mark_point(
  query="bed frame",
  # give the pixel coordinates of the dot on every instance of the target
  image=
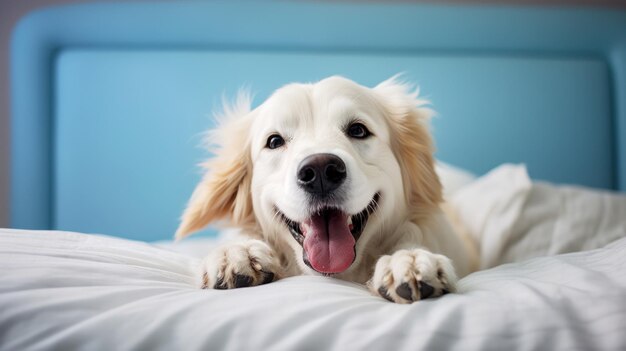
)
(109, 100)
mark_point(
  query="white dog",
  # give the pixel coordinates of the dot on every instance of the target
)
(330, 178)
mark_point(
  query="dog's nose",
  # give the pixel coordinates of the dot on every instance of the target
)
(321, 174)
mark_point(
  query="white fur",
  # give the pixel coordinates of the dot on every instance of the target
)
(395, 162)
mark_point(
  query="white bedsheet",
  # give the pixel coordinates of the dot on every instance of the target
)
(61, 290)
(514, 218)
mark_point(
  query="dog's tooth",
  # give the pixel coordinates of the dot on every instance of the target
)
(304, 227)
(349, 220)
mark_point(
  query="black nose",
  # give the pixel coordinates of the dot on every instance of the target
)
(321, 174)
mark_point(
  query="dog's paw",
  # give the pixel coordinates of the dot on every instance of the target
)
(411, 275)
(238, 265)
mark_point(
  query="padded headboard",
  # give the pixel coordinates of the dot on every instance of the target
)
(109, 101)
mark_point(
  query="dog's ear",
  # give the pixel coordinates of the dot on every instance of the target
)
(225, 191)
(412, 144)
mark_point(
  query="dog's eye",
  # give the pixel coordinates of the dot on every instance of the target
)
(358, 131)
(274, 141)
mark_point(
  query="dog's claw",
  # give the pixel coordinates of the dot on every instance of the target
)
(404, 291)
(268, 277)
(384, 294)
(426, 290)
(220, 285)
(242, 280)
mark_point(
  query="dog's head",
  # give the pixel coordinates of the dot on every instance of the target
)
(326, 168)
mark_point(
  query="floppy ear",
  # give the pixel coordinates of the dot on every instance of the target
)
(412, 145)
(224, 192)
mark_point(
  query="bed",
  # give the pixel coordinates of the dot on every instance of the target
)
(109, 102)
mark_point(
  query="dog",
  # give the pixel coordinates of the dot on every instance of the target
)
(329, 178)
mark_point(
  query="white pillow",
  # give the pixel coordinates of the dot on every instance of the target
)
(515, 219)
(452, 178)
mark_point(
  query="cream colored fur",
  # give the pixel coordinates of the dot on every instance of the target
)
(408, 249)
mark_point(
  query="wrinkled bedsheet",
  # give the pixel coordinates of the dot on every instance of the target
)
(61, 290)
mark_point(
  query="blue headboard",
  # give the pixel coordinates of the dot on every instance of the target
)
(109, 100)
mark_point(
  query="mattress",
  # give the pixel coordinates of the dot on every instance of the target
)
(65, 290)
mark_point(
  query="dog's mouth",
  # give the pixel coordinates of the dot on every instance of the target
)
(329, 236)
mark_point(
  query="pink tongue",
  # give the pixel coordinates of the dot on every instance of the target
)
(328, 243)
